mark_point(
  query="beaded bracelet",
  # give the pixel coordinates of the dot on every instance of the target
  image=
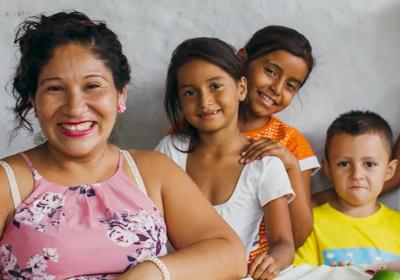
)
(161, 266)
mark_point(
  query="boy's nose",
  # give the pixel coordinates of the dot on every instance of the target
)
(357, 172)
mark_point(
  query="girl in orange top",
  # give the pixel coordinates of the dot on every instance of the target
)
(278, 61)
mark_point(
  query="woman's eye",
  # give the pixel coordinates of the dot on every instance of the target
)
(55, 89)
(92, 86)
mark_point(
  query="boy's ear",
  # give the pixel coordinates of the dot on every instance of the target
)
(242, 88)
(242, 54)
(325, 167)
(391, 169)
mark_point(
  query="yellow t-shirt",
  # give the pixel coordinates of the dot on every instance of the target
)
(338, 239)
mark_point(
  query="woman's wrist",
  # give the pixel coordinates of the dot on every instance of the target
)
(160, 265)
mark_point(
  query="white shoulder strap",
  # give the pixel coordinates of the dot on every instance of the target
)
(13, 183)
(135, 171)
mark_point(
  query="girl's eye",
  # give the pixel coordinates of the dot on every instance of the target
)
(188, 93)
(270, 72)
(370, 164)
(292, 87)
(343, 164)
(215, 86)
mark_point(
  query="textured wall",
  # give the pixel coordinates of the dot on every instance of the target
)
(356, 44)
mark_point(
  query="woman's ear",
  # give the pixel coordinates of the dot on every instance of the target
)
(242, 54)
(122, 95)
(242, 88)
(32, 101)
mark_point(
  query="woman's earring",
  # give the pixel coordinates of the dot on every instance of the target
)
(121, 108)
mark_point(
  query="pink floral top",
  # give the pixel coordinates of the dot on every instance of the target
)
(94, 231)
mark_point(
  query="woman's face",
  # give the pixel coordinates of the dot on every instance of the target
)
(273, 80)
(76, 101)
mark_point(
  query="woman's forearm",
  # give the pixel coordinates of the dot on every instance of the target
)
(208, 259)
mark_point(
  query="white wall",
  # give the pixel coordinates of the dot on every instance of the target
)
(356, 44)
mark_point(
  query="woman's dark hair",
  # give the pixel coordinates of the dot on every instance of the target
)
(39, 36)
(212, 50)
(274, 38)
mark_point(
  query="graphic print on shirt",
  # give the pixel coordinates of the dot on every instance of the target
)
(35, 266)
(138, 228)
(356, 256)
(45, 206)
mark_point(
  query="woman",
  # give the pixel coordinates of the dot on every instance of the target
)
(90, 210)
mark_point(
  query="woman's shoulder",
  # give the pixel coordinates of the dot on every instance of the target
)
(152, 161)
(18, 169)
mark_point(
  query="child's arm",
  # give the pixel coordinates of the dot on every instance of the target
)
(300, 208)
(281, 247)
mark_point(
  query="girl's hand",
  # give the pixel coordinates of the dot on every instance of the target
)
(263, 267)
(259, 148)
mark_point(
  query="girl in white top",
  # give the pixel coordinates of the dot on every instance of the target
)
(205, 87)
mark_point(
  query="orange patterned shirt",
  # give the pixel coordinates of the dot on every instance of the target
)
(295, 142)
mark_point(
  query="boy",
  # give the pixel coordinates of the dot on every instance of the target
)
(355, 229)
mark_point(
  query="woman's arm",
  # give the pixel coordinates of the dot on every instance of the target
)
(6, 203)
(24, 180)
(281, 247)
(207, 248)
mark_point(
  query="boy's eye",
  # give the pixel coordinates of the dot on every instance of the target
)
(343, 163)
(215, 86)
(370, 164)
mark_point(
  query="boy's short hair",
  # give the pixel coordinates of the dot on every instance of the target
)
(356, 123)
